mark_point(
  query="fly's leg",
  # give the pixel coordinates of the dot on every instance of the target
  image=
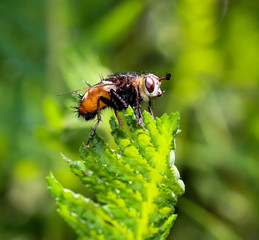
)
(117, 116)
(98, 121)
(140, 117)
(112, 105)
(117, 96)
(150, 108)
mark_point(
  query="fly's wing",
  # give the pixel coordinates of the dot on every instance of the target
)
(118, 79)
(98, 85)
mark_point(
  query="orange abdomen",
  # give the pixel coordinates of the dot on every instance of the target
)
(88, 105)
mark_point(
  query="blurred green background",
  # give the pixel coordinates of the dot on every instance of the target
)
(211, 47)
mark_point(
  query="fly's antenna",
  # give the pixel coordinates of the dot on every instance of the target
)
(166, 77)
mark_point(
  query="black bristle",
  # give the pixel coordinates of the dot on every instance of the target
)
(87, 83)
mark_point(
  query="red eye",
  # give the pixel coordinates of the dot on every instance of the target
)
(149, 85)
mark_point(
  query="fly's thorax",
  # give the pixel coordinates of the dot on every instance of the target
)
(149, 86)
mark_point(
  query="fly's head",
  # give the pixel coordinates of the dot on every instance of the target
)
(150, 85)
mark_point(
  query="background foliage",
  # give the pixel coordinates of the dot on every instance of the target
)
(211, 48)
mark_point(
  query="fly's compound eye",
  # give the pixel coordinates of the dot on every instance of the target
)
(150, 86)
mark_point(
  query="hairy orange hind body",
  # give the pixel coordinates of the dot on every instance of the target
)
(89, 100)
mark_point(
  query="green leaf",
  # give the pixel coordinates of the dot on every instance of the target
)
(136, 186)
